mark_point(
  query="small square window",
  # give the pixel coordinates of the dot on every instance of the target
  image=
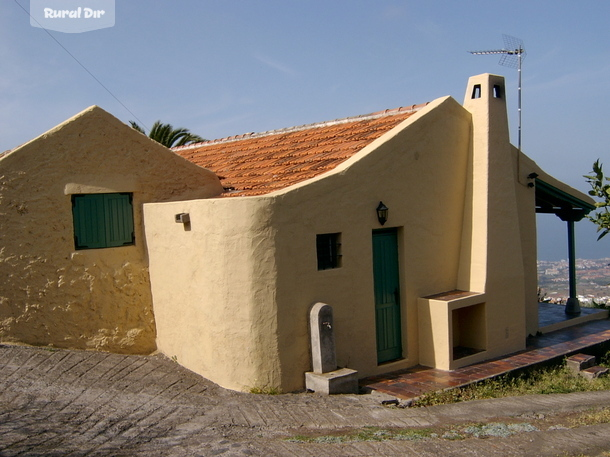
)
(102, 220)
(328, 247)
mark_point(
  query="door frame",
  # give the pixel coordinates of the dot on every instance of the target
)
(388, 315)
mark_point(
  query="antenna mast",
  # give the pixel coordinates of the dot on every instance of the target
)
(512, 56)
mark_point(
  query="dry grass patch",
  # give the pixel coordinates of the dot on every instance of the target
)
(601, 416)
(549, 380)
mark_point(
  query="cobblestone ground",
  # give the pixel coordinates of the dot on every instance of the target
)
(77, 403)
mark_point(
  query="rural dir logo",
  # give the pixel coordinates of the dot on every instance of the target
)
(72, 16)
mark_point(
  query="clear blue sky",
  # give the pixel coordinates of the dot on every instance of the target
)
(228, 67)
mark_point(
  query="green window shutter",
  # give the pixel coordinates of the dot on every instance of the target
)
(119, 219)
(88, 214)
(102, 220)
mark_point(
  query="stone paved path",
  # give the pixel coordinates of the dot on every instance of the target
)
(76, 403)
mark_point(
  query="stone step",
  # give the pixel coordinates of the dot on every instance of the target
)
(594, 372)
(578, 362)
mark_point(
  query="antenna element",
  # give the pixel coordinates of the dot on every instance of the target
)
(512, 54)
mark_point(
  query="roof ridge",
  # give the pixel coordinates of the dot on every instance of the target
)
(362, 117)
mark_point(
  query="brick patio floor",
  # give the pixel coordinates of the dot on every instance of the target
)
(416, 381)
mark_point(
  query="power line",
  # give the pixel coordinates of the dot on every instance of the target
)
(83, 66)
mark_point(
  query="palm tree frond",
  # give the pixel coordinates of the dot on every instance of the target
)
(169, 136)
(135, 126)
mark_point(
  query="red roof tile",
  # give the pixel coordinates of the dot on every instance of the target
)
(259, 163)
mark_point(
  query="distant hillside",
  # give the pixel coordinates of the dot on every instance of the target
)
(592, 276)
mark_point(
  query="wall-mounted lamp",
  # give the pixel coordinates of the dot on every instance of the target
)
(182, 218)
(382, 213)
(531, 176)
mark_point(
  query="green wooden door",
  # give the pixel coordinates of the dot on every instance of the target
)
(387, 295)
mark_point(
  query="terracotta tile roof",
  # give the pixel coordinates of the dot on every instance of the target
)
(259, 163)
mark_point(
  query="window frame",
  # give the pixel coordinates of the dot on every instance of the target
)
(328, 251)
(103, 220)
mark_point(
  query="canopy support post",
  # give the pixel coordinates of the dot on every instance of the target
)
(573, 305)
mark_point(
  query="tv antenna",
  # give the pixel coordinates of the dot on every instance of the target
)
(513, 54)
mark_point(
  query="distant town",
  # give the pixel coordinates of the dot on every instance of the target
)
(592, 281)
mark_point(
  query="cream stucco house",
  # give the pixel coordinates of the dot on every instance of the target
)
(227, 244)
(53, 288)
